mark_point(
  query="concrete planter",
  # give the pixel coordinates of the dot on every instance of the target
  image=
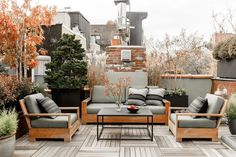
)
(7, 145)
(226, 69)
(232, 126)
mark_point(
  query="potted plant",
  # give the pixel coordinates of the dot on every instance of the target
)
(66, 74)
(231, 114)
(177, 97)
(11, 90)
(8, 126)
(225, 53)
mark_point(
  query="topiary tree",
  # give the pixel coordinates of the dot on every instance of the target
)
(67, 69)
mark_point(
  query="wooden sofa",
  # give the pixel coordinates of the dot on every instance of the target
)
(98, 100)
(182, 125)
(40, 126)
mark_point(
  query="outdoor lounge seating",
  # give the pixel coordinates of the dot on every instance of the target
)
(91, 106)
(183, 125)
(40, 125)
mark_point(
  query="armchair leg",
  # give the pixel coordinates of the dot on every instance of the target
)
(32, 139)
(214, 139)
(67, 139)
(179, 139)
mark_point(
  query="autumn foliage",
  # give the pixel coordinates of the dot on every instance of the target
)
(21, 33)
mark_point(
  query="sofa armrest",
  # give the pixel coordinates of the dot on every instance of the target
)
(199, 114)
(84, 105)
(51, 114)
(167, 106)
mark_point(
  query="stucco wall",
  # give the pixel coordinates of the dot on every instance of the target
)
(194, 86)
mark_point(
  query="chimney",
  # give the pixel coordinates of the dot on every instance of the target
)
(122, 9)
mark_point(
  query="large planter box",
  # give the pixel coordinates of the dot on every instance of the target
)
(68, 97)
(177, 101)
(226, 69)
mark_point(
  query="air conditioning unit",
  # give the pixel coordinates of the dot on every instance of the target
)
(125, 55)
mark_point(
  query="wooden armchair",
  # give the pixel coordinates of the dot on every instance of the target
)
(182, 125)
(63, 126)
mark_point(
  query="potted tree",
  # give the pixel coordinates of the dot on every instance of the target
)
(231, 114)
(66, 74)
(8, 126)
(225, 53)
(177, 97)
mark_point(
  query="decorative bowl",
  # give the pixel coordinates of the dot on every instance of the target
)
(133, 109)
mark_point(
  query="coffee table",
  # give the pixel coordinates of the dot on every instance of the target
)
(110, 112)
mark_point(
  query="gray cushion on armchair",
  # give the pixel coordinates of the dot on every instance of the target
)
(215, 104)
(190, 122)
(32, 104)
(58, 122)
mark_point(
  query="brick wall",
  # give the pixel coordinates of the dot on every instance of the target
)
(229, 84)
(138, 59)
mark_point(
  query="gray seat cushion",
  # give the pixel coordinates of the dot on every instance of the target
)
(32, 104)
(157, 109)
(58, 122)
(94, 108)
(189, 122)
(215, 104)
(99, 96)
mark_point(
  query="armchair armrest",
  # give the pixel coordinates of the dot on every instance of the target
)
(84, 105)
(71, 108)
(51, 114)
(199, 114)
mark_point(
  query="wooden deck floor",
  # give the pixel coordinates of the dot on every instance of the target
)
(85, 144)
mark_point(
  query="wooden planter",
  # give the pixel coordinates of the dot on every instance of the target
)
(226, 69)
(177, 101)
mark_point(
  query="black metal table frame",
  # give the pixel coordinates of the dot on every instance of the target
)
(149, 124)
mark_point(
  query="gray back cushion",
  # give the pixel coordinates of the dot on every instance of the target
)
(49, 105)
(32, 104)
(98, 95)
(215, 104)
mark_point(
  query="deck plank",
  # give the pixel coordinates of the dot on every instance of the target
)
(84, 144)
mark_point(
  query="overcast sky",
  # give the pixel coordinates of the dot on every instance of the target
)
(164, 16)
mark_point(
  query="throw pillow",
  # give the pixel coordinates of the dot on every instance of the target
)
(155, 97)
(198, 105)
(137, 96)
(49, 106)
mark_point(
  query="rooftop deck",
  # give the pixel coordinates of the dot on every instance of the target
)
(85, 144)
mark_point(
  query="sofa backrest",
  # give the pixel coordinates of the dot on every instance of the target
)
(215, 103)
(99, 95)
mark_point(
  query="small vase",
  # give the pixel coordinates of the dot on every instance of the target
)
(118, 107)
